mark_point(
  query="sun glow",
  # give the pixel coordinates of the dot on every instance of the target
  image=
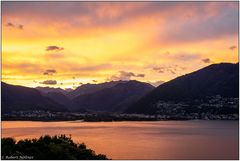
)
(90, 42)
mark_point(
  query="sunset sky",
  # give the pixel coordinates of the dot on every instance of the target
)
(65, 44)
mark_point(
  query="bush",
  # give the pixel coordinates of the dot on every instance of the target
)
(48, 148)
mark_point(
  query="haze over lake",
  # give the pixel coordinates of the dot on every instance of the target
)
(141, 140)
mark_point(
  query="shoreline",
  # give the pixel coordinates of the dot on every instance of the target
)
(82, 121)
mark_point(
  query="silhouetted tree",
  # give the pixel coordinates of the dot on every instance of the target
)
(49, 147)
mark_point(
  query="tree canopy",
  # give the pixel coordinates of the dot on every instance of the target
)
(48, 147)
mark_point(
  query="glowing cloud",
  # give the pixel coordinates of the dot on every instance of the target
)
(54, 48)
(49, 82)
(147, 41)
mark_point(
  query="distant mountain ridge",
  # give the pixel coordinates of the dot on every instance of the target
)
(46, 90)
(59, 98)
(216, 79)
(98, 96)
(17, 98)
(129, 96)
(112, 99)
(91, 88)
(81, 90)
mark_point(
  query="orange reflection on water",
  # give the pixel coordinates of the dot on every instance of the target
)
(141, 140)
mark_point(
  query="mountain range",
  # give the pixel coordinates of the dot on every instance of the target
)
(126, 96)
(217, 79)
(113, 99)
(19, 98)
(114, 96)
(92, 88)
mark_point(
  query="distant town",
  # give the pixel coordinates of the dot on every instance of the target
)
(214, 108)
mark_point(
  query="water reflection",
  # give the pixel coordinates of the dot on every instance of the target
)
(141, 140)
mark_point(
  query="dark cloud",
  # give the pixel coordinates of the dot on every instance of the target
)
(54, 48)
(233, 47)
(174, 69)
(20, 27)
(49, 72)
(94, 81)
(49, 82)
(159, 69)
(140, 75)
(199, 21)
(222, 24)
(126, 74)
(180, 67)
(123, 75)
(207, 60)
(97, 14)
(9, 24)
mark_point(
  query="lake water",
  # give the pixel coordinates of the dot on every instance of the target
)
(141, 140)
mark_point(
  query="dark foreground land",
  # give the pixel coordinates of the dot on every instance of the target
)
(47, 148)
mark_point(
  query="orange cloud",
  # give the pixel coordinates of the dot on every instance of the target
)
(95, 40)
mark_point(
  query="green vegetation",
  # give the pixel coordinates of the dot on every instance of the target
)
(47, 147)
